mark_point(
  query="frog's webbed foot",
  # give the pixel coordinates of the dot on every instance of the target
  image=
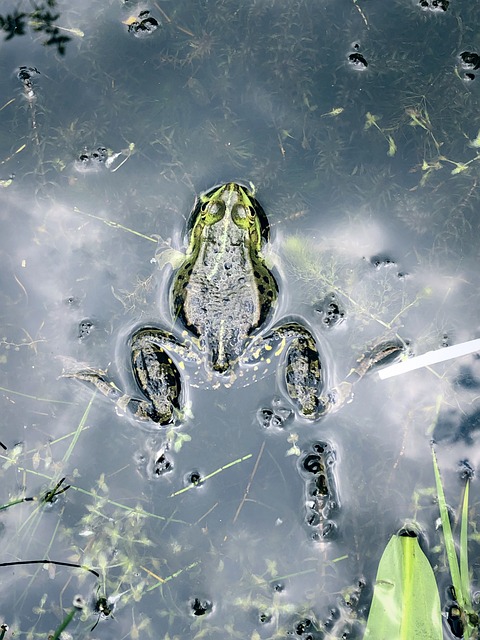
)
(96, 378)
(156, 375)
(380, 354)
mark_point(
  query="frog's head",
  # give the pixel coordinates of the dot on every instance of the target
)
(230, 204)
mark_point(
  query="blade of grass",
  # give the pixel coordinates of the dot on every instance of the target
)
(448, 537)
(464, 572)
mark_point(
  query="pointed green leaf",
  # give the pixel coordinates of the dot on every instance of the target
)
(406, 604)
(464, 573)
(464, 577)
(448, 536)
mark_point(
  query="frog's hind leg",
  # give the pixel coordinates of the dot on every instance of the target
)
(303, 374)
(159, 380)
(303, 377)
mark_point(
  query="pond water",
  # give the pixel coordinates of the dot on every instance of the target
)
(357, 123)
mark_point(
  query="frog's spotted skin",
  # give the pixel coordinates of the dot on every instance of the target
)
(223, 293)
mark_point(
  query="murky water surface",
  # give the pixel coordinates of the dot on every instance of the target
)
(357, 123)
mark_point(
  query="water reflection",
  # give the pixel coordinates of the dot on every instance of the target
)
(201, 530)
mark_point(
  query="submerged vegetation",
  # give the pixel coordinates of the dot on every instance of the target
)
(39, 18)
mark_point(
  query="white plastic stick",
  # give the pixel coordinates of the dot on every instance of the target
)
(431, 357)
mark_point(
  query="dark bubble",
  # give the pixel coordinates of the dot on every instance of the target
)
(465, 469)
(144, 25)
(470, 60)
(162, 465)
(357, 60)
(313, 518)
(434, 5)
(320, 447)
(381, 261)
(25, 73)
(264, 617)
(85, 328)
(194, 478)
(72, 301)
(103, 606)
(200, 607)
(268, 418)
(331, 311)
(313, 464)
(303, 626)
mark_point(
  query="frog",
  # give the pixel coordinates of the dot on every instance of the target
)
(223, 296)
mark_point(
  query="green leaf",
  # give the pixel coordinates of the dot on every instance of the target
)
(448, 537)
(464, 573)
(406, 604)
(464, 577)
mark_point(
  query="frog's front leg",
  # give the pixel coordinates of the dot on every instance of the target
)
(303, 370)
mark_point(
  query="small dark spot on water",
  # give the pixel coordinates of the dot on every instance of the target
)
(469, 77)
(85, 328)
(331, 311)
(434, 5)
(470, 60)
(357, 61)
(72, 302)
(278, 587)
(333, 616)
(303, 626)
(465, 470)
(144, 25)
(313, 518)
(275, 417)
(381, 261)
(264, 617)
(194, 478)
(162, 465)
(200, 607)
(25, 73)
(92, 159)
(313, 463)
(103, 606)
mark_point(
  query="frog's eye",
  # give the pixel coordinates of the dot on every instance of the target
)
(213, 211)
(243, 216)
